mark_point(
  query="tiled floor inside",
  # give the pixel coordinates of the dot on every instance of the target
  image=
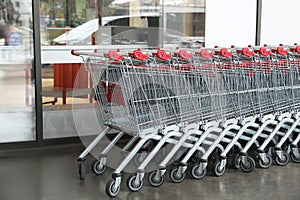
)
(53, 175)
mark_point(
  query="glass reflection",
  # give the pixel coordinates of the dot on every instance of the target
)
(17, 117)
(68, 24)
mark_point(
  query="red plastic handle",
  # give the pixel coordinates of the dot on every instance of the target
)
(161, 54)
(183, 54)
(204, 54)
(296, 49)
(137, 54)
(224, 53)
(73, 53)
(281, 51)
(113, 55)
(263, 51)
(246, 52)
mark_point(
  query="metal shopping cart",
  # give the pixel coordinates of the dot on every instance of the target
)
(140, 101)
(294, 63)
(205, 103)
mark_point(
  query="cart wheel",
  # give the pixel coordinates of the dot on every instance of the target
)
(110, 188)
(139, 159)
(271, 152)
(175, 176)
(265, 165)
(235, 161)
(248, 166)
(131, 183)
(154, 181)
(215, 154)
(284, 161)
(82, 169)
(97, 168)
(218, 171)
(195, 157)
(196, 173)
(285, 147)
(294, 158)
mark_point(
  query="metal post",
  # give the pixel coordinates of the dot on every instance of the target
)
(37, 75)
(99, 10)
(67, 8)
(258, 22)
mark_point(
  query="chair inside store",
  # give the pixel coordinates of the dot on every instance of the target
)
(70, 80)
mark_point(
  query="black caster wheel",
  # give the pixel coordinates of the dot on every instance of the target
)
(196, 173)
(155, 181)
(175, 176)
(133, 185)
(215, 154)
(248, 166)
(195, 157)
(218, 171)
(282, 161)
(271, 152)
(235, 163)
(111, 190)
(82, 169)
(294, 158)
(266, 164)
(97, 168)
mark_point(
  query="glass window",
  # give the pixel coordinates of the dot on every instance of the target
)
(81, 24)
(76, 23)
(64, 23)
(17, 115)
(60, 16)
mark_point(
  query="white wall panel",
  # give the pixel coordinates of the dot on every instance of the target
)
(280, 22)
(230, 22)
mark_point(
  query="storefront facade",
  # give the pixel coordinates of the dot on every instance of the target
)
(46, 94)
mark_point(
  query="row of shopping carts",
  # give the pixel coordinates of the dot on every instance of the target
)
(202, 105)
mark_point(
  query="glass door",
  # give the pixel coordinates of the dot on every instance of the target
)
(17, 112)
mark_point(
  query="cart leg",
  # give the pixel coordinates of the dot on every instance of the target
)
(99, 165)
(113, 186)
(93, 143)
(82, 157)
